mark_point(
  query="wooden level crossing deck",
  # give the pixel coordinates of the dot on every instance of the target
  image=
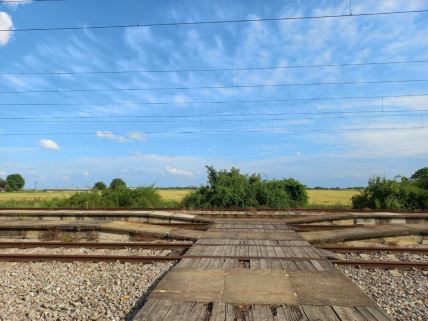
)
(256, 271)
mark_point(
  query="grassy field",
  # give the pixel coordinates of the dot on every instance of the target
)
(15, 196)
(328, 197)
(321, 197)
(173, 194)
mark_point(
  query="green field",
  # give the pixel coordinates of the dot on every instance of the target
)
(321, 197)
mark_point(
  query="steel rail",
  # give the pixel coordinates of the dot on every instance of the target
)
(405, 265)
(248, 210)
(368, 249)
(151, 259)
(104, 245)
(85, 258)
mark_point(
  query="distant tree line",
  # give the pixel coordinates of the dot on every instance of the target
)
(225, 189)
(397, 193)
(231, 189)
(12, 183)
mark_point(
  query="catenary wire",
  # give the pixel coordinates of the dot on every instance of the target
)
(237, 86)
(371, 63)
(216, 22)
(214, 101)
(271, 130)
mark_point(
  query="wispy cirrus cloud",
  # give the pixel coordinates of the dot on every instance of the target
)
(131, 136)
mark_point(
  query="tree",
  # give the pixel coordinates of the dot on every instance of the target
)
(420, 178)
(99, 186)
(117, 183)
(3, 184)
(14, 182)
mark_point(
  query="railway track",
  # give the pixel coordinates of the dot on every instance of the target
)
(151, 259)
(369, 249)
(172, 245)
(93, 245)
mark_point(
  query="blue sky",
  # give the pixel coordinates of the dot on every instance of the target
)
(339, 142)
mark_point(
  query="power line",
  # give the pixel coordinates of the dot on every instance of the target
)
(373, 63)
(215, 22)
(237, 86)
(91, 121)
(335, 114)
(272, 130)
(255, 101)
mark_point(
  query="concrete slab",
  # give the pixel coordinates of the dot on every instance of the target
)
(258, 287)
(328, 288)
(195, 286)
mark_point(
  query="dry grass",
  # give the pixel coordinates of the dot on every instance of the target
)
(328, 197)
(322, 197)
(28, 196)
(173, 194)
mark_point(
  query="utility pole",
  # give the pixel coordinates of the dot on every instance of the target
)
(35, 186)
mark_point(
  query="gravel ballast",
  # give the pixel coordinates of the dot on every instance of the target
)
(403, 294)
(78, 290)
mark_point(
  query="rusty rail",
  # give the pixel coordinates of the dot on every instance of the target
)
(402, 265)
(104, 245)
(368, 249)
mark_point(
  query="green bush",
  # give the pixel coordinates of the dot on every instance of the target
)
(231, 189)
(141, 197)
(403, 193)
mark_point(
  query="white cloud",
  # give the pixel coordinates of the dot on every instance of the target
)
(178, 172)
(48, 144)
(5, 24)
(136, 136)
(132, 136)
(3, 173)
(86, 173)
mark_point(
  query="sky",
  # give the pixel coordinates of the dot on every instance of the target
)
(212, 101)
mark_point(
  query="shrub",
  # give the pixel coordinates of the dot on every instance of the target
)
(142, 197)
(382, 193)
(231, 189)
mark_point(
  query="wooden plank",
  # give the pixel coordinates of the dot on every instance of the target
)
(198, 312)
(173, 311)
(366, 313)
(218, 312)
(144, 312)
(320, 313)
(379, 314)
(230, 315)
(290, 313)
(184, 311)
(317, 265)
(262, 313)
(348, 314)
(160, 311)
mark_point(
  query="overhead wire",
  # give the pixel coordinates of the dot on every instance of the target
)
(255, 101)
(265, 130)
(236, 86)
(216, 22)
(372, 63)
